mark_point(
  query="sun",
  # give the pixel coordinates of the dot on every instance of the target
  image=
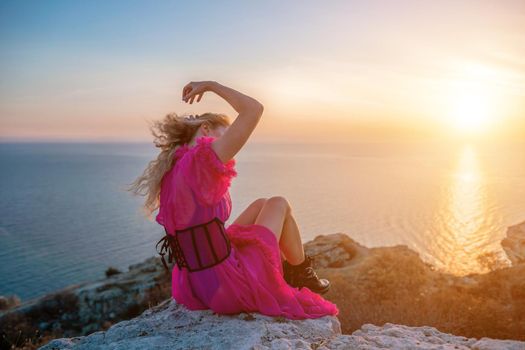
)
(472, 112)
(474, 100)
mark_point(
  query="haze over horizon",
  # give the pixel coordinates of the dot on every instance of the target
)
(337, 71)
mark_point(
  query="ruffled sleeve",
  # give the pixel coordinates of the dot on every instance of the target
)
(205, 173)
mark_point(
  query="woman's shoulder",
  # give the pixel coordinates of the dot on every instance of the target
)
(203, 154)
(206, 174)
(200, 146)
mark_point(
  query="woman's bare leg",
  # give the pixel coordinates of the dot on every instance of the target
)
(249, 214)
(276, 214)
(291, 243)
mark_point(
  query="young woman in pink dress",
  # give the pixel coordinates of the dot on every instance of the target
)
(255, 264)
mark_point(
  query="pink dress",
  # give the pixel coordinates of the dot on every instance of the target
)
(251, 279)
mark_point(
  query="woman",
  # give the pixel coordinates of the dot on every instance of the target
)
(255, 264)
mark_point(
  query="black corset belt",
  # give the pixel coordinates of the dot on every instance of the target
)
(197, 247)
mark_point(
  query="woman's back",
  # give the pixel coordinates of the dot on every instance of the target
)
(196, 189)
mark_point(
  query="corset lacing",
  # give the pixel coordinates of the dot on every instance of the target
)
(212, 235)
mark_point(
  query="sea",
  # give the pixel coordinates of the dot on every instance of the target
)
(65, 216)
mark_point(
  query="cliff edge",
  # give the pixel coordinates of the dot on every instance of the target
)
(172, 326)
(386, 295)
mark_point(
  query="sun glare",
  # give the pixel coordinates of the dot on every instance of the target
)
(472, 112)
(473, 100)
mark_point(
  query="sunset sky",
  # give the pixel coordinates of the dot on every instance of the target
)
(325, 71)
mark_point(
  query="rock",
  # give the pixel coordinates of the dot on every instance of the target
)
(8, 302)
(392, 336)
(172, 326)
(84, 308)
(335, 250)
(514, 243)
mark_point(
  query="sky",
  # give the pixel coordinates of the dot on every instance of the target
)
(325, 71)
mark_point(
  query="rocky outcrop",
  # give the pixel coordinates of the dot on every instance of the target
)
(9, 302)
(393, 284)
(369, 285)
(172, 326)
(87, 307)
(514, 244)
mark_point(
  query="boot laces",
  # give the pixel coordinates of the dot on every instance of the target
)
(310, 273)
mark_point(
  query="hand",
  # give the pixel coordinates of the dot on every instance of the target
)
(195, 89)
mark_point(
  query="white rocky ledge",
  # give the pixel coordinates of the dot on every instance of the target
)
(172, 326)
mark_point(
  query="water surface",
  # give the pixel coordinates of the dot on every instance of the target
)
(65, 217)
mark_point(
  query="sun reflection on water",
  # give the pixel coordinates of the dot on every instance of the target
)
(465, 221)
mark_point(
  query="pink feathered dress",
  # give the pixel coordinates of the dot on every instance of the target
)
(251, 279)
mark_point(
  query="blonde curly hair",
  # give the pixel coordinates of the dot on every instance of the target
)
(170, 133)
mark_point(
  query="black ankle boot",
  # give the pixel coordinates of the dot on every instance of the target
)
(303, 275)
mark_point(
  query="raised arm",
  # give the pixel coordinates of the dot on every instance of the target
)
(250, 111)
